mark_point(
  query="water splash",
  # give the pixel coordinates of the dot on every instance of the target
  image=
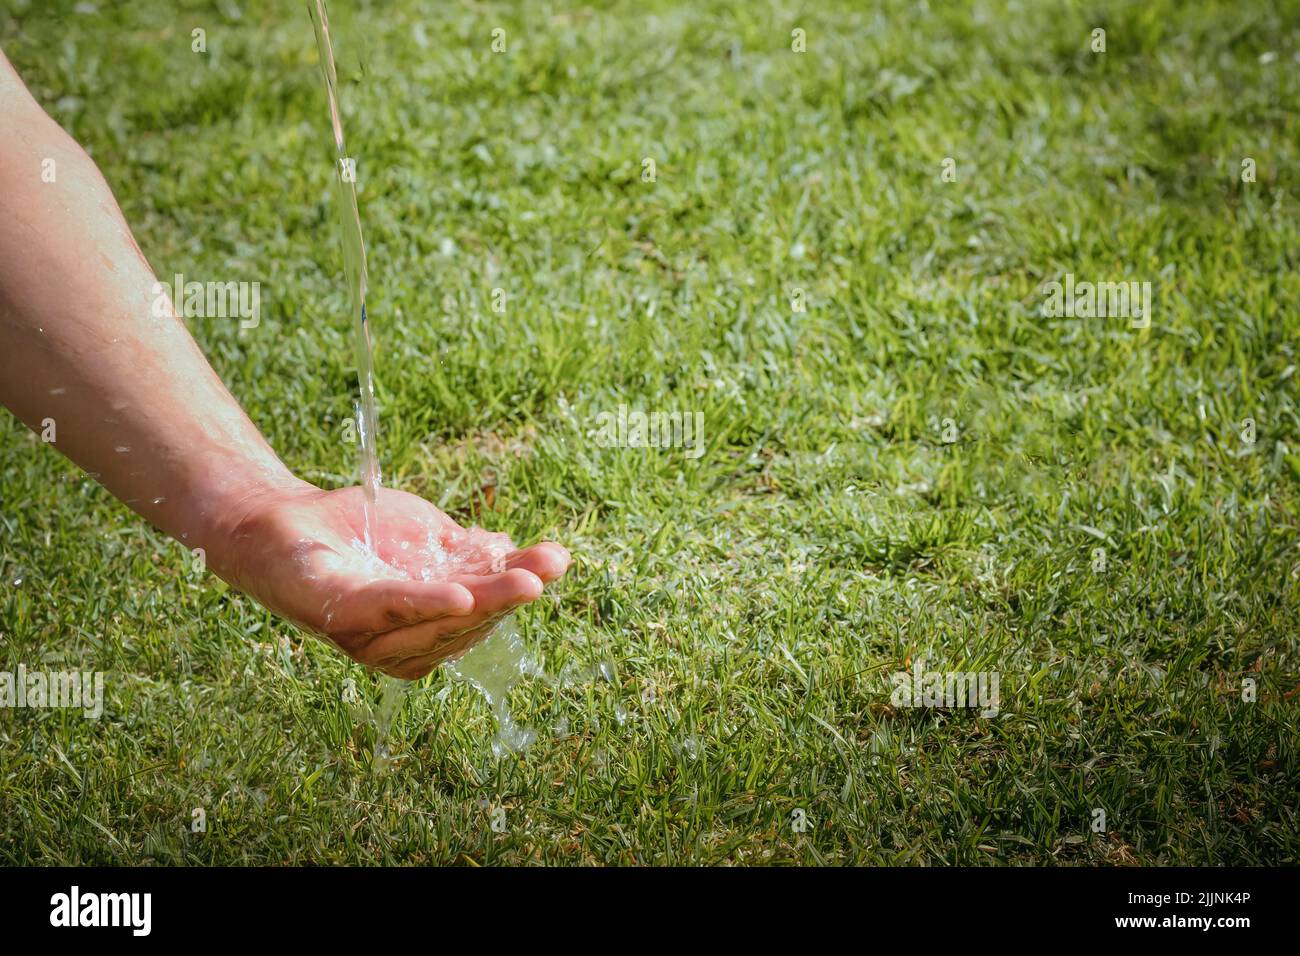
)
(494, 666)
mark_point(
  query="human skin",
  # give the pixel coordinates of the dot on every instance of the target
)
(134, 402)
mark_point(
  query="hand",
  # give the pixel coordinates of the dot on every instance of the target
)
(427, 593)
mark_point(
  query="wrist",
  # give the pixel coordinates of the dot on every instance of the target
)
(223, 504)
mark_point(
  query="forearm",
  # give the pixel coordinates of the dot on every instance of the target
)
(130, 396)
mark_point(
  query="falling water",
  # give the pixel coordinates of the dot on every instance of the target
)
(496, 663)
(494, 666)
(354, 268)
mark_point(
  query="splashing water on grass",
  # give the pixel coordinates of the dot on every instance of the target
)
(495, 664)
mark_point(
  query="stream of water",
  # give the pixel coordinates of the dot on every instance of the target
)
(495, 664)
(354, 268)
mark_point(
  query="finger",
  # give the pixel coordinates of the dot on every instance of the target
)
(445, 638)
(497, 593)
(386, 604)
(454, 647)
(547, 560)
(410, 670)
(392, 650)
(494, 595)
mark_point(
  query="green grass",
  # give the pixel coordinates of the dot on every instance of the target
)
(750, 604)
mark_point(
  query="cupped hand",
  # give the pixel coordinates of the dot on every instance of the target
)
(426, 593)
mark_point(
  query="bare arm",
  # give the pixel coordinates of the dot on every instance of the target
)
(133, 401)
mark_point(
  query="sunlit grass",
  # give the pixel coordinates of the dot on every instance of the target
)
(749, 606)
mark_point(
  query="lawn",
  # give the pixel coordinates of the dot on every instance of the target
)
(838, 259)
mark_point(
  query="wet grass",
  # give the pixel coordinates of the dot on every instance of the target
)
(1097, 530)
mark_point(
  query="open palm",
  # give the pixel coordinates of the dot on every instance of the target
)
(426, 592)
